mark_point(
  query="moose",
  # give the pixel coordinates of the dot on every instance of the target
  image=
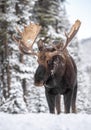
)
(56, 71)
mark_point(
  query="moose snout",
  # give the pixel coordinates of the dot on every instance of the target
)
(38, 84)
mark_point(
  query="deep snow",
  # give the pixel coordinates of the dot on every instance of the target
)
(45, 122)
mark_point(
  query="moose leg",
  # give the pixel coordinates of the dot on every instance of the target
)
(67, 100)
(58, 103)
(51, 101)
(74, 99)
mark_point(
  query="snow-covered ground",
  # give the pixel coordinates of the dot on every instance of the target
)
(45, 122)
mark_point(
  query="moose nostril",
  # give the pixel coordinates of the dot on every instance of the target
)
(39, 84)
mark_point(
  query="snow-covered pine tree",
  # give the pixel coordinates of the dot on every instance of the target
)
(14, 70)
(3, 52)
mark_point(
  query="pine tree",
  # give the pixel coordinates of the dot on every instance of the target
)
(13, 86)
(4, 69)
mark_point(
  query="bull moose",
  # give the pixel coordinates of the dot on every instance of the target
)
(57, 70)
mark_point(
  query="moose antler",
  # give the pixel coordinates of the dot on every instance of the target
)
(28, 36)
(72, 32)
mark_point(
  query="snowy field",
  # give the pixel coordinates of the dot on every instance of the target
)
(45, 122)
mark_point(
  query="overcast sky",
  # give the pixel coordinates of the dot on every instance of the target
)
(80, 9)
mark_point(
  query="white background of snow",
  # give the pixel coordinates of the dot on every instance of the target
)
(45, 122)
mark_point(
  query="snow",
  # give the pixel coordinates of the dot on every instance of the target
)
(84, 77)
(45, 121)
(85, 50)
